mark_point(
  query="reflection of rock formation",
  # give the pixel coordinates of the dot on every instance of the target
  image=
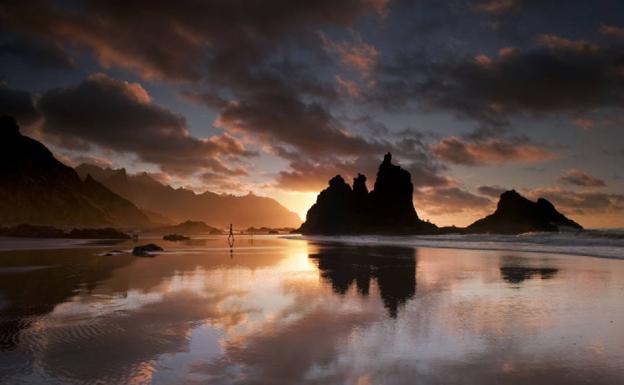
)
(518, 274)
(515, 214)
(388, 208)
(394, 269)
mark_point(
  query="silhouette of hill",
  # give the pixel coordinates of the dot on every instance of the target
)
(191, 227)
(182, 204)
(516, 214)
(387, 209)
(38, 189)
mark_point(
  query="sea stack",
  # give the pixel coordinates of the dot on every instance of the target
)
(516, 214)
(387, 209)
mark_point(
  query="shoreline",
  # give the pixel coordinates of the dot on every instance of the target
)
(512, 243)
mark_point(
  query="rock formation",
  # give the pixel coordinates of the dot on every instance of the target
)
(515, 214)
(387, 209)
(36, 188)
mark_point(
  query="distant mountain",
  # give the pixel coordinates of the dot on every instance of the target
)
(190, 228)
(182, 204)
(516, 214)
(36, 188)
(387, 209)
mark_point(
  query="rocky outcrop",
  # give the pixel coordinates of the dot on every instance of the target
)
(36, 188)
(387, 209)
(516, 214)
(146, 250)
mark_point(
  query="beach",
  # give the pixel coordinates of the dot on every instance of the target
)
(294, 310)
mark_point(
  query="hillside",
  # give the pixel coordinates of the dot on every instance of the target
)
(38, 189)
(181, 204)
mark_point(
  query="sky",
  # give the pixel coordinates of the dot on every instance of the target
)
(277, 96)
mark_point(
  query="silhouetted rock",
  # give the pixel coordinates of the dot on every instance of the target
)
(515, 214)
(387, 209)
(38, 189)
(145, 250)
(175, 237)
(32, 231)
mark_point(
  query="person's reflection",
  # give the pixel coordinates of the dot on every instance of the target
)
(394, 269)
(516, 270)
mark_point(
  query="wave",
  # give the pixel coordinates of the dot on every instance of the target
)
(592, 243)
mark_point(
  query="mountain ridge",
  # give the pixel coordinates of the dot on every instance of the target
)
(38, 189)
(180, 204)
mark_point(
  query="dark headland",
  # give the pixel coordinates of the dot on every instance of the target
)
(342, 209)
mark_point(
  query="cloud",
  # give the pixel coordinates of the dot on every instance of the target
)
(120, 116)
(579, 178)
(349, 86)
(356, 55)
(555, 42)
(19, 104)
(612, 31)
(558, 76)
(175, 43)
(450, 200)
(457, 150)
(585, 202)
(491, 191)
(498, 6)
(38, 54)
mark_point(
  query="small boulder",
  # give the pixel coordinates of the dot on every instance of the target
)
(145, 250)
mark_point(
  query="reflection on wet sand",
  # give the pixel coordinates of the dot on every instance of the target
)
(516, 270)
(296, 312)
(393, 268)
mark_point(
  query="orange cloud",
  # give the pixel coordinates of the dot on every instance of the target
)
(356, 55)
(492, 151)
(349, 86)
(557, 42)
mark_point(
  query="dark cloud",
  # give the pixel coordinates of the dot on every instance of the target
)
(491, 191)
(120, 116)
(450, 200)
(37, 54)
(19, 104)
(584, 202)
(171, 42)
(458, 150)
(580, 178)
(498, 6)
(278, 116)
(243, 54)
(558, 75)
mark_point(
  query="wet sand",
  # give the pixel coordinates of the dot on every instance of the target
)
(293, 311)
